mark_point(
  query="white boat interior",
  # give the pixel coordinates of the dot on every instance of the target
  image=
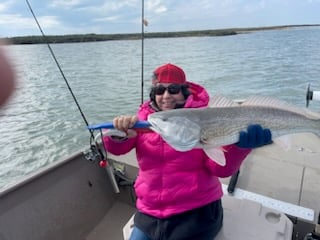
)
(75, 199)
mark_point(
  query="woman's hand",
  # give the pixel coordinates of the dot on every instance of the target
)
(124, 123)
(254, 137)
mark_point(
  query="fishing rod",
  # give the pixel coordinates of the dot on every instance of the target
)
(143, 22)
(95, 153)
(95, 127)
(60, 69)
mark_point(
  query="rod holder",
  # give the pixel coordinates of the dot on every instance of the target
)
(312, 95)
(112, 179)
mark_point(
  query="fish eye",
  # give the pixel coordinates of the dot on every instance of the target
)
(203, 140)
(164, 119)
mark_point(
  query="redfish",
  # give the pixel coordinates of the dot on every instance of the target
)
(218, 125)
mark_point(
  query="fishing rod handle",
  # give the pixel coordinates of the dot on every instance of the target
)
(109, 125)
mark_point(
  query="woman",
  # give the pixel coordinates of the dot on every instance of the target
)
(178, 193)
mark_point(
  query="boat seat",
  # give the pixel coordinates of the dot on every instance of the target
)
(245, 220)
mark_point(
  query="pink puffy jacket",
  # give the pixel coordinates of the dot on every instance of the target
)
(171, 182)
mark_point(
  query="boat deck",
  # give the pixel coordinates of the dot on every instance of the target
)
(110, 227)
(290, 175)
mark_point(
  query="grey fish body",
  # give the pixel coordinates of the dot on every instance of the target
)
(229, 121)
(220, 124)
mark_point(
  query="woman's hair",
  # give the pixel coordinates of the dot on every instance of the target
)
(184, 89)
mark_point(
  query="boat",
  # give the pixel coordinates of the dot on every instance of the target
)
(276, 196)
(89, 196)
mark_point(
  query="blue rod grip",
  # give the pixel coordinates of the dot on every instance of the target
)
(109, 125)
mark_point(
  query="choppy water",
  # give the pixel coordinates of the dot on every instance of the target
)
(42, 123)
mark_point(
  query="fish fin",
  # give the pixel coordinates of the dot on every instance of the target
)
(284, 142)
(216, 155)
(221, 101)
(266, 101)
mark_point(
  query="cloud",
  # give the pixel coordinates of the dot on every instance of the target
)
(107, 19)
(156, 6)
(161, 9)
(66, 3)
(4, 6)
(110, 6)
(123, 16)
(49, 21)
(254, 7)
(17, 24)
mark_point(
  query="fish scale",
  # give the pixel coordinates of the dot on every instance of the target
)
(232, 120)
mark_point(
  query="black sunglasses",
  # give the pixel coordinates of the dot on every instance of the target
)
(172, 89)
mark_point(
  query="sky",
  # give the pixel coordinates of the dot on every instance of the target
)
(59, 17)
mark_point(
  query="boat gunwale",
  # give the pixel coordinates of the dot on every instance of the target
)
(39, 173)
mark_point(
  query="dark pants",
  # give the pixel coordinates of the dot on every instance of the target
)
(202, 224)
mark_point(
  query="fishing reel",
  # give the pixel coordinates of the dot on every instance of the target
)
(94, 154)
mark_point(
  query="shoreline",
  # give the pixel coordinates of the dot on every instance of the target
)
(92, 37)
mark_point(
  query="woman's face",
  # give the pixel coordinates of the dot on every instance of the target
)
(168, 95)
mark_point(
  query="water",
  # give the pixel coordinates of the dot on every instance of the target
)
(42, 123)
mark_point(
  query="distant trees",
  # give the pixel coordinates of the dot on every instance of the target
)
(133, 36)
(109, 37)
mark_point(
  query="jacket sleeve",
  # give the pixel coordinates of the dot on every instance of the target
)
(234, 158)
(119, 147)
